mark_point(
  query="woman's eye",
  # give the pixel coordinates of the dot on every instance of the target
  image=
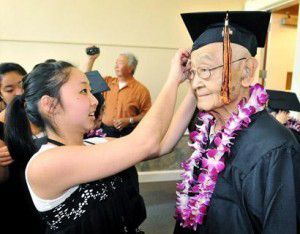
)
(84, 91)
(9, 91)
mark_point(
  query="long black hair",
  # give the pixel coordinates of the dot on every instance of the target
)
(11, 67)
(45, 79)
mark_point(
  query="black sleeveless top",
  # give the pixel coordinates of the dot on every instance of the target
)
(100, 206)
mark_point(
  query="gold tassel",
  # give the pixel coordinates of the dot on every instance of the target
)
(227, 53)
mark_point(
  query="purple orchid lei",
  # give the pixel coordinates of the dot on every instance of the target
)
(293, 123)
(194, 194)
(96, 132)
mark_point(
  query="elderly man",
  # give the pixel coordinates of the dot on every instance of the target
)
(243, 176)
(127, 101)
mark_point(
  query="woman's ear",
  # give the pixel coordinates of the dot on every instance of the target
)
(249, 71)
(48, 105)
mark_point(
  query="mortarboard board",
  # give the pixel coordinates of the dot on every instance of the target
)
(280, 100)
(247, 28)
(97, 83)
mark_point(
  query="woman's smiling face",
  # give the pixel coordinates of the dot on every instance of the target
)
(78, 103)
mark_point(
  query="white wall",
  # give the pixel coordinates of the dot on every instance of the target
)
(296, 70)
(281, 50)
(33, 31)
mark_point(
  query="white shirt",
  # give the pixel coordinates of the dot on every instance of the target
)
(122, 85)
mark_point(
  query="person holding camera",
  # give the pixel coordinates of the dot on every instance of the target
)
(127, 101)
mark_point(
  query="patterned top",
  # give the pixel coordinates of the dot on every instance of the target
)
(101, 206)
(82, 202)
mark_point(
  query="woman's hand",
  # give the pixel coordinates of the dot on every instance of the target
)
(180, 65)
(5, 158)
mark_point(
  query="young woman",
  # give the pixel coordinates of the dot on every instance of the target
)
(14, 194)
(74, 185)
(11, 75)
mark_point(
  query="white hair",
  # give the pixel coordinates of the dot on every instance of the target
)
(132, 61)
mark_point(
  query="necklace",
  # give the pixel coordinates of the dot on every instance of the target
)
(194, 193)
(293, 123)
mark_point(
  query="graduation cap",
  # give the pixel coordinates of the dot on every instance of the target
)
(280, 100)
(97, 82)
(247, 28)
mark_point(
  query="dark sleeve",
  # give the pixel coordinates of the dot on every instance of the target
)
(1, 131)
(194, 121)
(296, 134)
(273, 191)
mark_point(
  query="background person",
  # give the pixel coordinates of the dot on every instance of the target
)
(280, 104)
(15, 202)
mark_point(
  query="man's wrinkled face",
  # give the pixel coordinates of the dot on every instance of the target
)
(208, 89)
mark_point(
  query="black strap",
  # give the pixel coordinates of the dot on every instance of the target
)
(91, 143)
(61, 144)
(55, 142)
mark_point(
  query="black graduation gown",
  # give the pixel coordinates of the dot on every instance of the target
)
(258, 192)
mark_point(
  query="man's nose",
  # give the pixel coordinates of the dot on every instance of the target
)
(196, 82)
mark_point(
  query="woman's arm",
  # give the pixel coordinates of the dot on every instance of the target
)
(179, 123)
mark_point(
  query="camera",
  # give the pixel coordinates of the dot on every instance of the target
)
(92, 50)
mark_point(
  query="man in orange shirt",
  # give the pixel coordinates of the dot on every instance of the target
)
(126, 103)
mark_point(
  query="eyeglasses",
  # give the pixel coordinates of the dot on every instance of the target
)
(205, 73)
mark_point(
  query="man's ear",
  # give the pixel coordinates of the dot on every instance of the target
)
(249, 71)
(48, 105)
(130, 69)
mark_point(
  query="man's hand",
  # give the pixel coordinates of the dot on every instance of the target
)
(90, 61)
(93, 57)
(121, 123)
(5, 158)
